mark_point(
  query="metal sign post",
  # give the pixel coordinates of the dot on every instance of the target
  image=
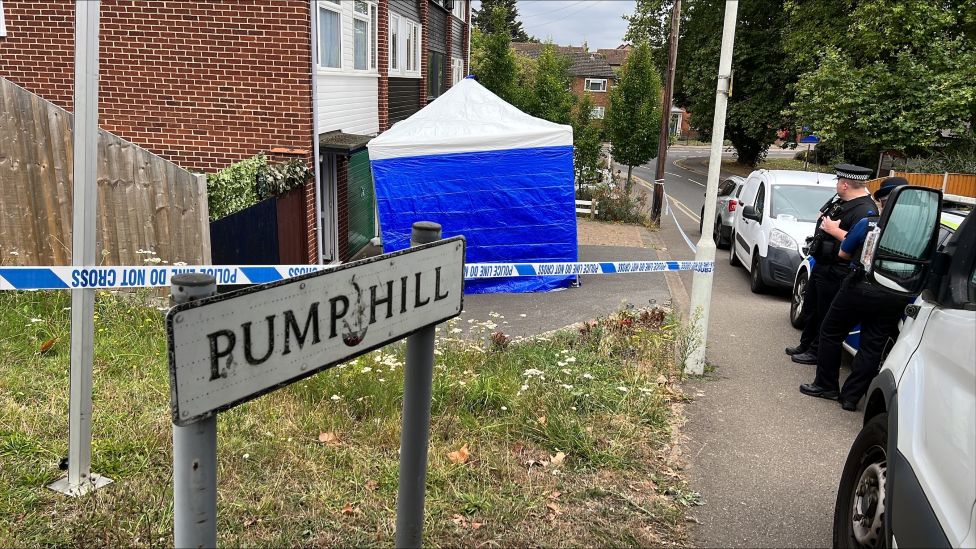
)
(194, 450)
(80, 479)
(415, 422)
(227, 349)
(701, 288)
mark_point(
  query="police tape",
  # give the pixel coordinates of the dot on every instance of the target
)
(66, 278)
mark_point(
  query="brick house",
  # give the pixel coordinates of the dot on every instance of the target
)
(207, 84)
(589, 71)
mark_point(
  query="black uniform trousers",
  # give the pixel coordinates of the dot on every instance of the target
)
(878, 313)
(824, 284)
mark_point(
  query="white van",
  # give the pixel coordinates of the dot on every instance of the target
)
(910, 477)
(779, 211)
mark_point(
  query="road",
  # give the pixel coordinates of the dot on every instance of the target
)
(765, 458)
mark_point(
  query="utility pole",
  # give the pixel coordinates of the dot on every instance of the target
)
(701, 289)
(662, 146)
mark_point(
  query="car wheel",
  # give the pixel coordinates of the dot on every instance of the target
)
(860, 510)
(798, 316)
(717, 234)
(701, 219)
(733, 260)
(756, 283)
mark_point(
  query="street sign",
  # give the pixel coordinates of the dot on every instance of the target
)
(810, 139)
(231, 348)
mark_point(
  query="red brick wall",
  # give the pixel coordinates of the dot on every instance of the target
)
(383, 64)
(424, 44)
(203, 84)
(600, 99)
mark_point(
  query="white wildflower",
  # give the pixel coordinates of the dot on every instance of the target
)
(14, 253)
(382, 379)
(456, 330)
(490, 325)
(622, 389)
(565, 371)
(645, 390)
(179, 263)
(566, 386)
(35, 320)
(524, 388)
(366, 370)
(531, 372)
(336, 398)
(571, 359)
(246, 456)
(437, 352)
(504, 408)
(587, 376)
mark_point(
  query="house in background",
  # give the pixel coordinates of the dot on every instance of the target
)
(589, 71)
(207, 84)
(616, 56)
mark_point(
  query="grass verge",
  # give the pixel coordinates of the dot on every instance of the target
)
(734, 167)
(563, 440)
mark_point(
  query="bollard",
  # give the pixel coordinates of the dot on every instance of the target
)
(194, 449)
(415, 427)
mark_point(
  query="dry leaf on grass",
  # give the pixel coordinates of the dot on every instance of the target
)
(348, 509)
(557, 459)
(554, 508)
(476, 525)
(328, 438)
(555, 494)
(460, 456)
(541, 420)
(47, 345)
(372, 485)
(518, 448)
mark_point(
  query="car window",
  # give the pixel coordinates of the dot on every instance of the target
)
(749, 190)
(944, 234)
(800, 201)
(760, 203)
(727, 188)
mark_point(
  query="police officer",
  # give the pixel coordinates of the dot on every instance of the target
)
(853, 203)
(858, 301)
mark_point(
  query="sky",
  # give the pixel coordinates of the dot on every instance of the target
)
(571, 22)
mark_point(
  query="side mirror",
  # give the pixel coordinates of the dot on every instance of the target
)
(899, 253)
(749, 212)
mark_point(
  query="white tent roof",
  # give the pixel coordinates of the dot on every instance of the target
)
(467, 118)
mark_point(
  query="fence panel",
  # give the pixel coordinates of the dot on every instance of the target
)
(144, 201)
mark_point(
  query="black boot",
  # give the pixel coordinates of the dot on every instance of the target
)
(798, 350)
(804, 358)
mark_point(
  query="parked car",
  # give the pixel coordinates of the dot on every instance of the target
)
(778, 211)
(948, 223)
(725, 205)
(910, 477)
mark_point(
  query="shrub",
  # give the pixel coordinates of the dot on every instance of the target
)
(613, 203)
(245, 183)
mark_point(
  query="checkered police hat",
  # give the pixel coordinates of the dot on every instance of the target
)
(850, 171)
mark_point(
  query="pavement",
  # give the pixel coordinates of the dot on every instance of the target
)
(766, 459)
(521, 315)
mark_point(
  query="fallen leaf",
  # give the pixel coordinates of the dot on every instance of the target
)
(542, 420)
(661, 380)
(249, 522)
(46, 346)
(348, 509)
(328, 438)
(518, 448)
(476, 525)
(530, 463)
(554, 508)
(460, 456)
(555, 494)
(557, 459)
(371, 485)
(458, 519)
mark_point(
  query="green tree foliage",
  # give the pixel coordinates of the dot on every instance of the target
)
(634, 117)
(493, 59)
(482, 19)
(586, 142)
(763, 76)
(891, 74)
(651, 23)
(551, 98)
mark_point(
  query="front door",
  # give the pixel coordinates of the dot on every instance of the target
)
(327, 212)
(362, 202)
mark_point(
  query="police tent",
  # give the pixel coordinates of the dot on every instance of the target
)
(486, 170)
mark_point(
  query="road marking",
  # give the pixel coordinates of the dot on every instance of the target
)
(685, 209)
(695, 182)
(674, 174)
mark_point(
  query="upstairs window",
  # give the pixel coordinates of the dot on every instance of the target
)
(595, 84)
(598, 112)
(330, 36)
(361, 36)
(457, 70)
(394, 42)
(459, 8)
(413, 47)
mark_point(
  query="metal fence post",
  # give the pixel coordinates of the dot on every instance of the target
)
(415, 426)
(194, 450)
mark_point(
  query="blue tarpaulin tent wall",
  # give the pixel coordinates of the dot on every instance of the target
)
(486, 170)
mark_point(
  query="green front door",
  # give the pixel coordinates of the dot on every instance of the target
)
(362, 202)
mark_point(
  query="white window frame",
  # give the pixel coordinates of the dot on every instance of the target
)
(598, 112)
(331, 5)
(395, 49)
(3, 24)
(457, 70)
(601, 85)
(365, 18)
(415, 30)
(459, 8)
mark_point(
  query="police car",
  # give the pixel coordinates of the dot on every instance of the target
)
(949, 222)
(910, 476)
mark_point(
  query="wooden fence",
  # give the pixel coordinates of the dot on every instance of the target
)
(958, 187)
(144, 201)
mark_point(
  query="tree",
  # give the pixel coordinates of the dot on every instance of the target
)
(634, 117)
(651, 22)
(551, 98)
(493, 59)
(482, 19)
(896, 74)
(586, 141)
(762, 86)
